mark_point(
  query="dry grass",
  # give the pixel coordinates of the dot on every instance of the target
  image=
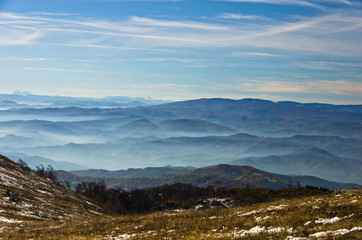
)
(277, 220)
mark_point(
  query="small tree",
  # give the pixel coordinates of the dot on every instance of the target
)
(50, 173)
(24, 166)
(40, 170)
(47, 173)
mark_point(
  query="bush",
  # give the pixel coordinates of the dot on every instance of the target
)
(24, 166)
(48, 173)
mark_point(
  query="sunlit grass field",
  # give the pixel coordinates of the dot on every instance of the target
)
(334, 216)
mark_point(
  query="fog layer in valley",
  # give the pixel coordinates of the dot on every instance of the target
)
(282, 137)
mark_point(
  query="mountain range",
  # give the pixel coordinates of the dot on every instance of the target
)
(317, 139)
(219, 176)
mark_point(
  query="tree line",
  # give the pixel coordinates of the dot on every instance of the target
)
(175, 196)
(178, 195)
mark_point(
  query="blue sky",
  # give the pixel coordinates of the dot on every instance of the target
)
(300, 50)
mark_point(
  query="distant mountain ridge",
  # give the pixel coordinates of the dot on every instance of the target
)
(26, 99)
(248, 115)
(132, 172)
(314, 162)
(191, 125)
(219, 176)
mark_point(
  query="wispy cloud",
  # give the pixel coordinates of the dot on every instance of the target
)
(336, 33)
(18, 36)
(26, 59)
(318, 4)
(240, 16)
(182, 60)
(258, 54)
(279, 2)
(339, 87)
(175, 24)
(328, 65)
(73, 70)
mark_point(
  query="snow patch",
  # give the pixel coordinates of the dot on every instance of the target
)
(328, 221)
(256, 230)
(307, 223)
(8, 220)
(44, 192)
(249, 213)
(295, 238)
(281, 206)
(337, 232)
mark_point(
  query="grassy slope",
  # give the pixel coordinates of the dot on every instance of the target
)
(277, 220)
(40, 199)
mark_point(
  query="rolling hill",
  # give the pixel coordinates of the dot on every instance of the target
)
(132, 172)
(249, 115)
(194, 126)
(219, 176)
(313, 162)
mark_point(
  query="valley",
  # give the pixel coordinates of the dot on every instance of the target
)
(280, 137)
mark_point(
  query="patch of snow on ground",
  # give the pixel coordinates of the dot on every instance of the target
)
(307, 223)
(295, 238)
(179, 210)
(256, 230)
(341, 231)
(328, 221)
(124, 236)
(258, 219)
(249, 213)
(7, 220)
(281, 206)
(197, 207)
(44, 192)
(337, 232)
(356, 229)
(320, 234)
(349, 216)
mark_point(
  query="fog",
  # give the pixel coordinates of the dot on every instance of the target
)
(177, 135)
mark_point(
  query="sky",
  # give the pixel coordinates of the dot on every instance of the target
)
(297, 50)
